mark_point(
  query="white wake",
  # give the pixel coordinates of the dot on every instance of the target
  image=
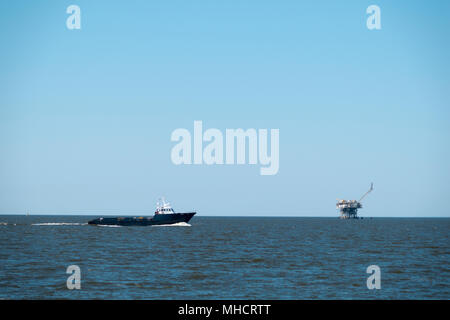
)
(178, 224)
(59, 224)
(108, 225)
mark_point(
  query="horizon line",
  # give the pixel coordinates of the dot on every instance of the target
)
(218, 216)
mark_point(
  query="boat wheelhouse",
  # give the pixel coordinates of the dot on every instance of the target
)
(163, 207)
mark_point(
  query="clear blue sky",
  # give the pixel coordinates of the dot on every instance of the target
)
(86, 115)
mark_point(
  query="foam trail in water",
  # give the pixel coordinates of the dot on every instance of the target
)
(108, 225)
(178, 224)
(59, 224)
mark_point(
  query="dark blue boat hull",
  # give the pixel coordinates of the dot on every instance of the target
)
(157, 219)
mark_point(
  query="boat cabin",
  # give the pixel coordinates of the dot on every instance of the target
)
(163, 207)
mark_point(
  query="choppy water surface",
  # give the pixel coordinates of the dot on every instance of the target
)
(225, 258)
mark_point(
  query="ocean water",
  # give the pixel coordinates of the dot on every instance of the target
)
(225, 258)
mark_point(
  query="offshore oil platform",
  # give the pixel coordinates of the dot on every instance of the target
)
(349, 208)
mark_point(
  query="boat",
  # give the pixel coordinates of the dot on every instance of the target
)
(164, 215)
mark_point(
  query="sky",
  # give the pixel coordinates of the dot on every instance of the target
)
(86, 115)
